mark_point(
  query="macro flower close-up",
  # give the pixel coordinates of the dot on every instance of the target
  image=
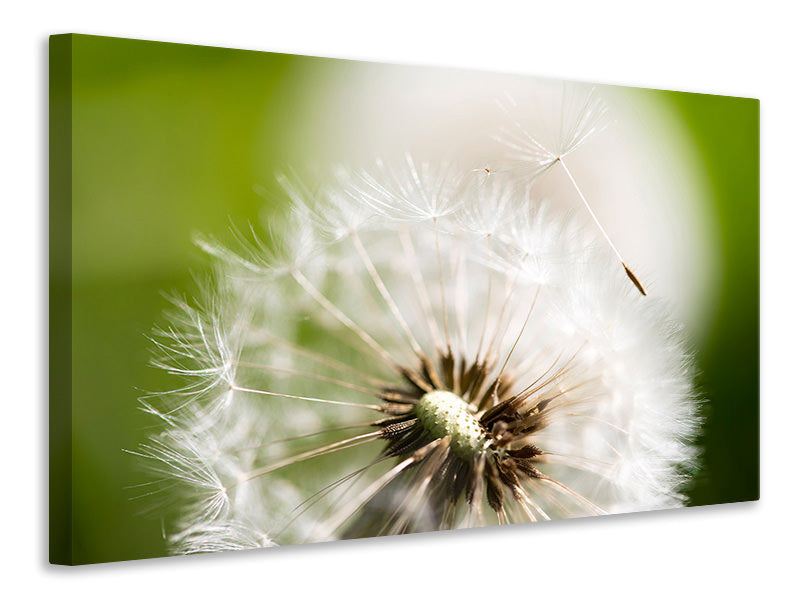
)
(418, 345)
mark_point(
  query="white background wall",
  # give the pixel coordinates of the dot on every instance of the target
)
(731, 48)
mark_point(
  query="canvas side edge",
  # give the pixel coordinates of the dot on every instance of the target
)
(60, 299)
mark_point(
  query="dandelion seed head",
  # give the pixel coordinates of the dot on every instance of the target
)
(418, 350)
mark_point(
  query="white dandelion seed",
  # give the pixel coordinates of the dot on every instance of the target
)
(582, 115)
(422, 351)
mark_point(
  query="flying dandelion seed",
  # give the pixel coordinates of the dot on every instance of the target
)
(419, 347)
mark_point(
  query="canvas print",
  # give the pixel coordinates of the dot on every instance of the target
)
(298, 299)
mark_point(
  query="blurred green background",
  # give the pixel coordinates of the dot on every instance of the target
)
(169, 140)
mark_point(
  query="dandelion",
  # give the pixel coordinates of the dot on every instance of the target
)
(418, 348)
